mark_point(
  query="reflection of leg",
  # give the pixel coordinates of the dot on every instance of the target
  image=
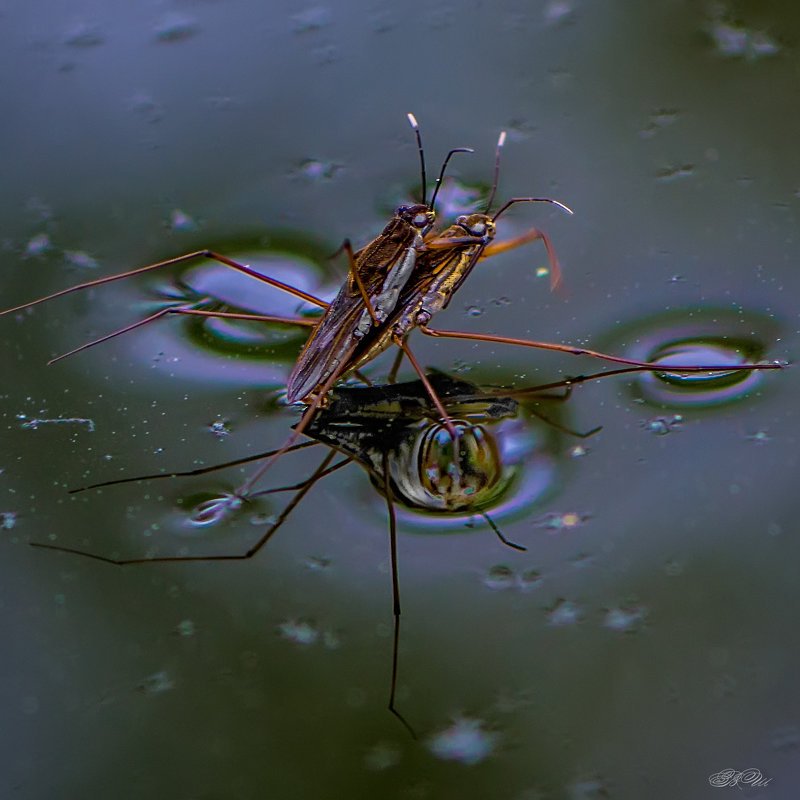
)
(387, 491)
(295, 501)
(192, 472)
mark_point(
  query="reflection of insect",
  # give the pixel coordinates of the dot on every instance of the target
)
(395, 434)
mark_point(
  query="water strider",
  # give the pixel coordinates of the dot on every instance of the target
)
(395, 284)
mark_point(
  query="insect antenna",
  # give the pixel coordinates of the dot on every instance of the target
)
(415, 125)
(500, 142)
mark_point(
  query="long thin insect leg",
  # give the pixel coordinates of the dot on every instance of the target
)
(182, 310)
(348, 248)
(210, 254)
(387, 490)
(338, 465)
(192, 472)
(582, 351)
(534, 234)
(244, 489)
(293, 503)
(398, 360)
(445, 417)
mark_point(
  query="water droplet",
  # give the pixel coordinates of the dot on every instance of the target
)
(669, 174)
(315, 170)
(560, 522)
(311, 19)
(558, 11)
(760, 437)
(157, 683)
(185, 628)
(84, 35)
(80, 258)
(8, 519)
(578, 451)
(38, 245)
(181, 221)
(175, 27)
(661, 426)
(564, 613)
(220, 428)
(474, 311)
(658, 120)
(466, 740)
(499, 577)
(317, 564)
(530, 579)
(382, 756)
(302, 632)
(625, 618)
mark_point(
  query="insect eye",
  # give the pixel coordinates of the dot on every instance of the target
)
(462, 220)
(420, 221)
(478, 229)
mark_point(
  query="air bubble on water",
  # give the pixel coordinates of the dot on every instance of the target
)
(625, 618)
(382, 756)
(759, 437)
(181, 221)
(578, 451)
(474, 311)
(661, 426)
(542, 272)
(499, 577)
(560, 522)
(466, 740)
(301, 632)
(80, 258)
(157, 683)
(564, 613)
(174, 27)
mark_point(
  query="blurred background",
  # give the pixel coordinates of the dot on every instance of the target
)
(645, 640)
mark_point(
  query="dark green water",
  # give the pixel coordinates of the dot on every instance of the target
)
(660, 644)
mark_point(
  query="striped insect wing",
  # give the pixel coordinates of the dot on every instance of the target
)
(383, 267)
